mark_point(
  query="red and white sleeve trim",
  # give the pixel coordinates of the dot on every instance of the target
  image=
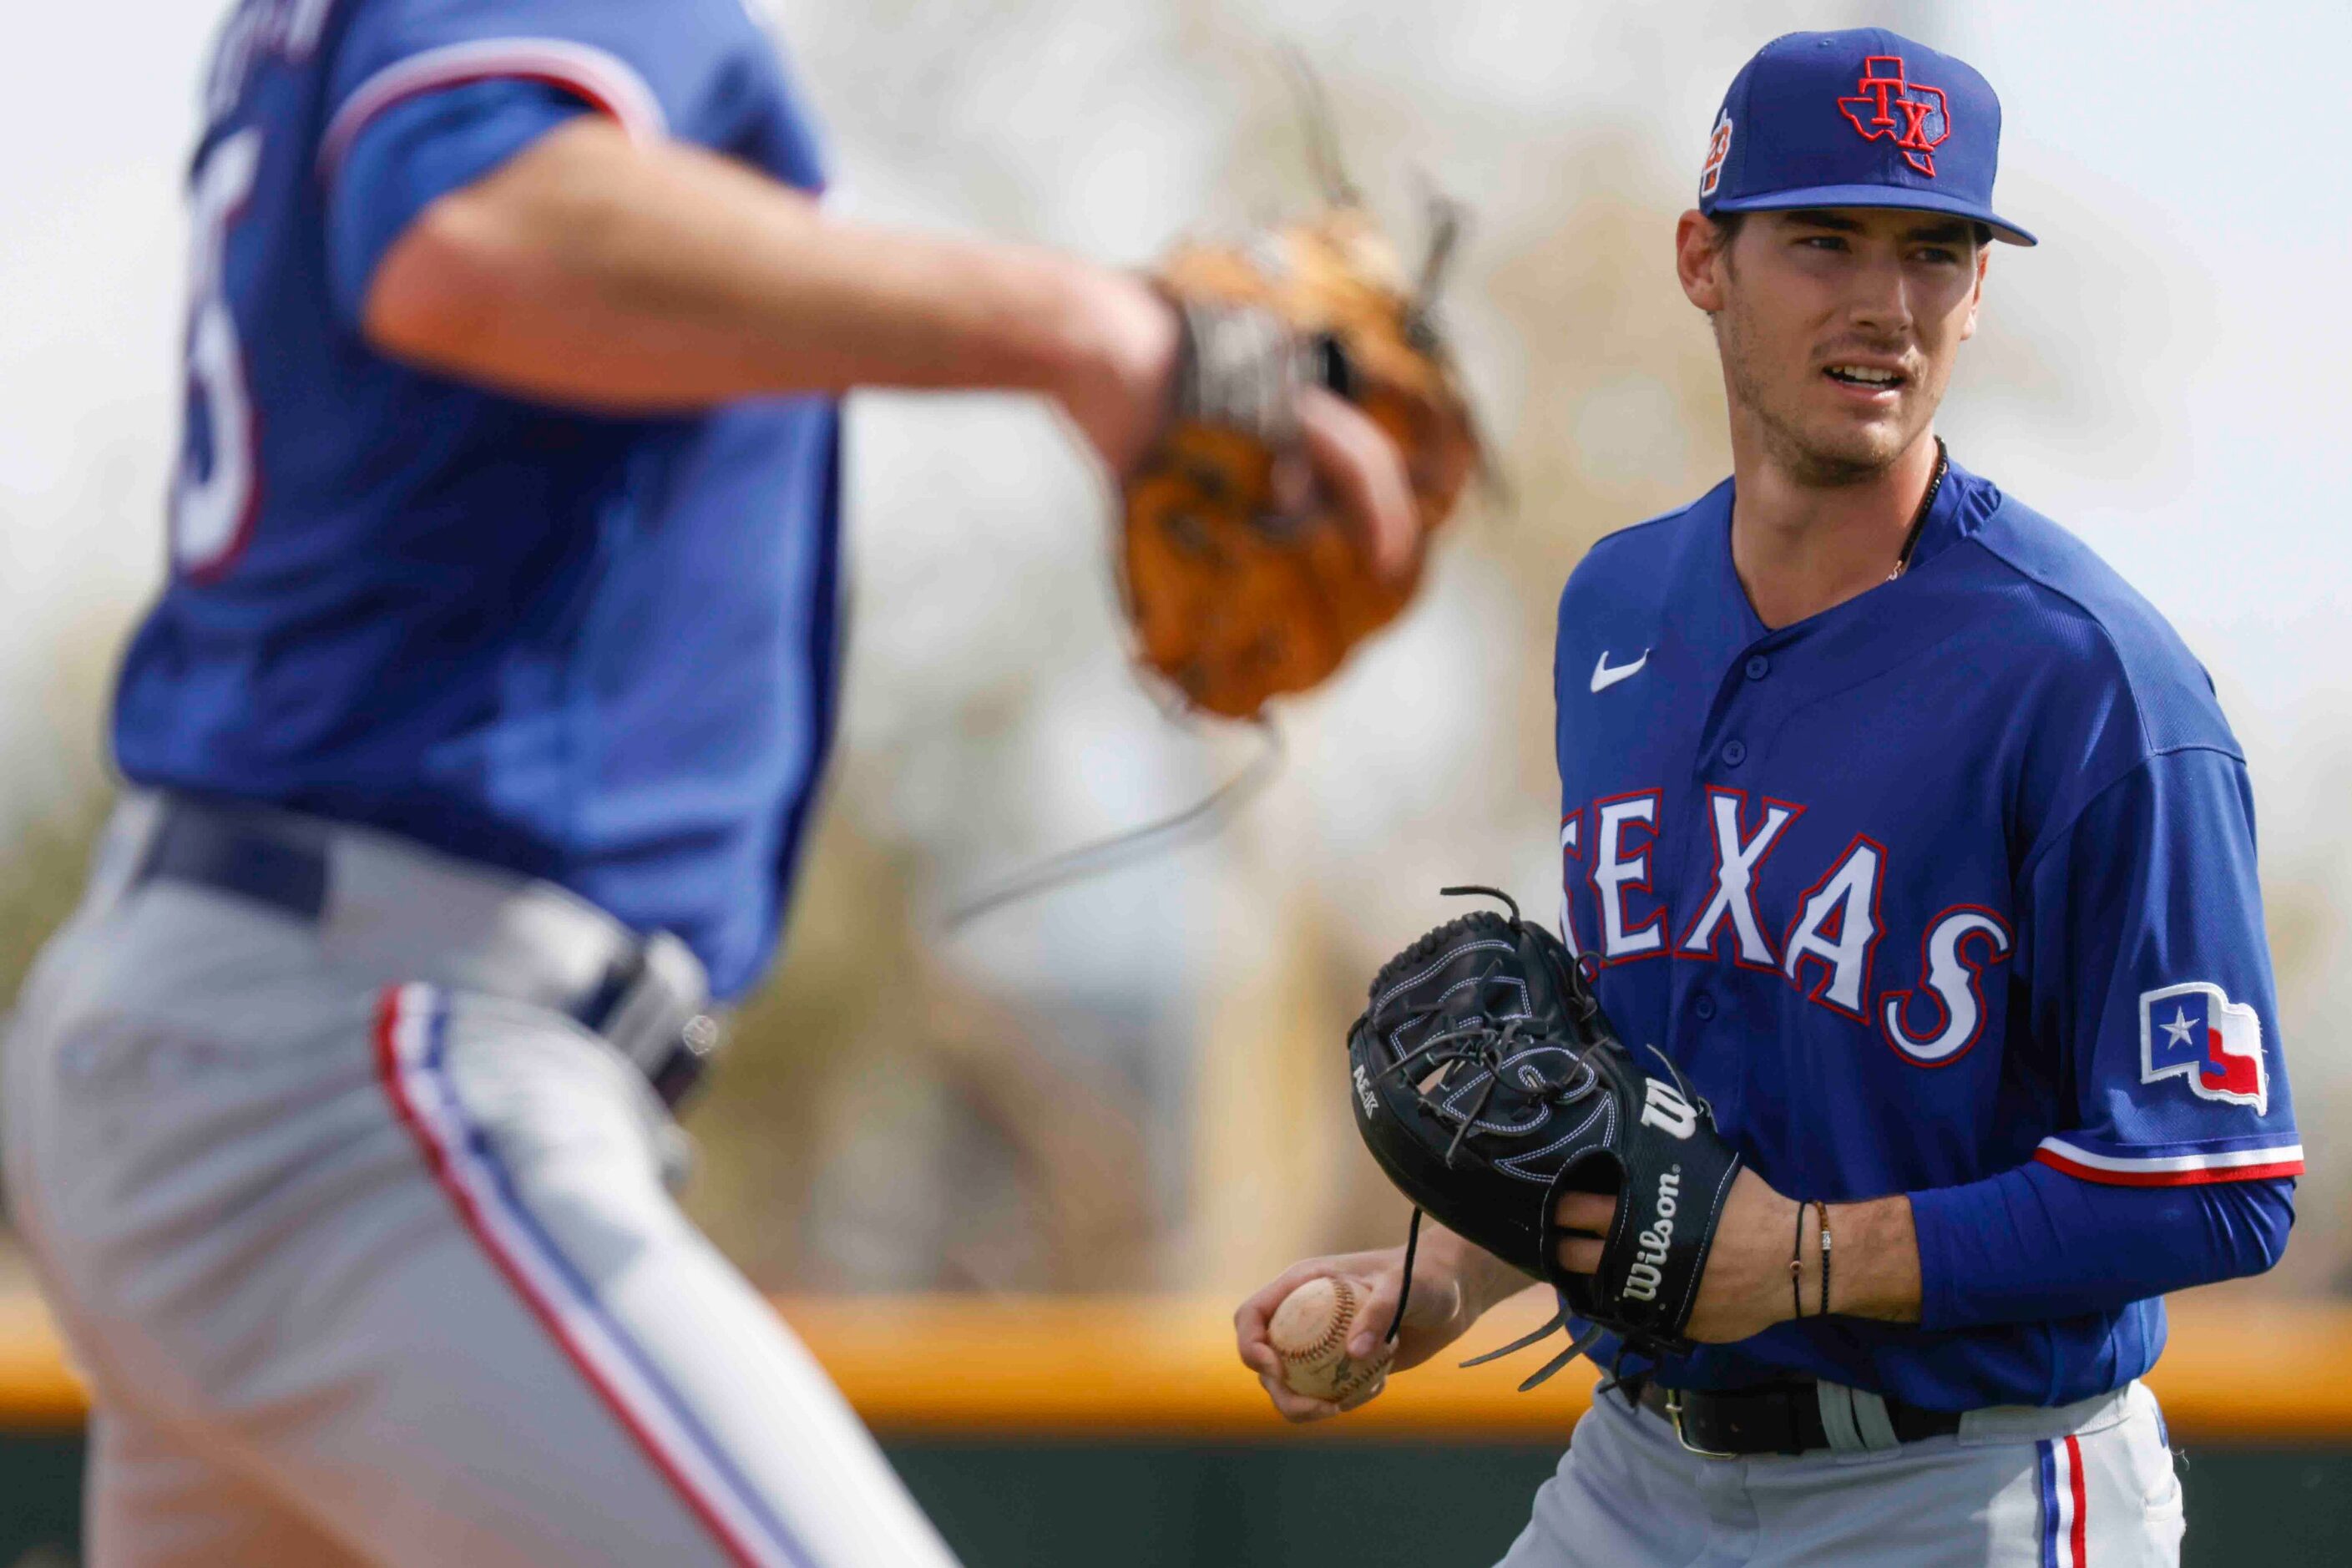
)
(604, 81)
(2171, 1169)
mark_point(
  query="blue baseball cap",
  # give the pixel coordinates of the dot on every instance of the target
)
(1863, 117)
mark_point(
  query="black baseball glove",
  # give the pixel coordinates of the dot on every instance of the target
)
(1487, 1082)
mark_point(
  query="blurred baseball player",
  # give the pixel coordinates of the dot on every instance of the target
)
(473, 742)
(1918, 842)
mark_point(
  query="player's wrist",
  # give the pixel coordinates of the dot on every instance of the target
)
(1117, 363)
(1746, 1287)
(1795, 1295)
(1481, 1279)
(1853, 1260)
(1487, 1283)
(1875, 1267)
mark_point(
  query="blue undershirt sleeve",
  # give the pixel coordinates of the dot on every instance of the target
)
(2034, 1243)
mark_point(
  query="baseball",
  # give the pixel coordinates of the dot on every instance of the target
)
(1310, 1332)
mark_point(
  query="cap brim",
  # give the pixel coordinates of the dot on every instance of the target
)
(1894, 196)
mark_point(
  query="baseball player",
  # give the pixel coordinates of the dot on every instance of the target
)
(1918, 844)
(472, 745)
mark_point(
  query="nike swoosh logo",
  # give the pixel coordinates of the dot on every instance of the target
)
(1603, 677)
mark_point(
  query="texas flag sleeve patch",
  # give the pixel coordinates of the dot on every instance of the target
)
(2194, 1033)
(2195, 1044)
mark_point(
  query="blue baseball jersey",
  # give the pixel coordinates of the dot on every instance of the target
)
(1951, 878)
(600, 651)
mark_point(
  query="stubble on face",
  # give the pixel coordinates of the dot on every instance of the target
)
(1813, 458)
(1772, 358)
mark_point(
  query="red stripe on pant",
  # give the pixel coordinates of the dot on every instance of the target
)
(2075, 1481)
(388, 1070)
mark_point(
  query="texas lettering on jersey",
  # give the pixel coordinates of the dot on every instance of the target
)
(1951, 878)
(1826, 944)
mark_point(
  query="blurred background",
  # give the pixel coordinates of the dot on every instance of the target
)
(1128, 1088)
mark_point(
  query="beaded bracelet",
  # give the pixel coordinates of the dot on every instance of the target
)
(1824, 1209)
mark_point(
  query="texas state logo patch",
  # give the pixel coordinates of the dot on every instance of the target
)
(2195, 1033)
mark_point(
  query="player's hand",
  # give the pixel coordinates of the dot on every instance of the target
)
(1354, 468)
(1120, 398)
(1447, 1299)
(1745, 1289)
(1118, 394)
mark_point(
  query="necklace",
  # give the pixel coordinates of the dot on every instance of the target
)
(1920, 518)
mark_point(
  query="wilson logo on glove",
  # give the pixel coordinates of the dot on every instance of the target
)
(1643, 1280)
(1664, 1109)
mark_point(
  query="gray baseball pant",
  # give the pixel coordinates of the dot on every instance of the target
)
(366, 1252)
(2078, 1486)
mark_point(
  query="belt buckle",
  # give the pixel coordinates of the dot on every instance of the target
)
(1675, 1419)
(680, 1073)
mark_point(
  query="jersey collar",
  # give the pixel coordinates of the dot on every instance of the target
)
(1958, 509)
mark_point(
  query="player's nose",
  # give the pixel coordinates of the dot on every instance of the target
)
(1878, 298)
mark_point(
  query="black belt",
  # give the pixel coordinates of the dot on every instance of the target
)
(216, 849)
(1776, 1418)
(284, 864)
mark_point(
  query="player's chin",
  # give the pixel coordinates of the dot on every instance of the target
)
(1857, 442)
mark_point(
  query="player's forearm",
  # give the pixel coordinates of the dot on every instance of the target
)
(1873, 1260)
(594, 271)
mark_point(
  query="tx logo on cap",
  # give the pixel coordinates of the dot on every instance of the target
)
(1910, 114)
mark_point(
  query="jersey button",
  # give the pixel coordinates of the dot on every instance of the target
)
(1704, 1006)
(1735, 753)
(1759, 666)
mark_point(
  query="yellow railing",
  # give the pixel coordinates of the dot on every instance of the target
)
(1158, 1367)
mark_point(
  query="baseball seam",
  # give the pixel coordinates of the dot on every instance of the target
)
(1335, 1334)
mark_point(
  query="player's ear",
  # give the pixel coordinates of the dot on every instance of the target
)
(1700, 259)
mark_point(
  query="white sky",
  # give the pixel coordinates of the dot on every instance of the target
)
(2215, 134)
